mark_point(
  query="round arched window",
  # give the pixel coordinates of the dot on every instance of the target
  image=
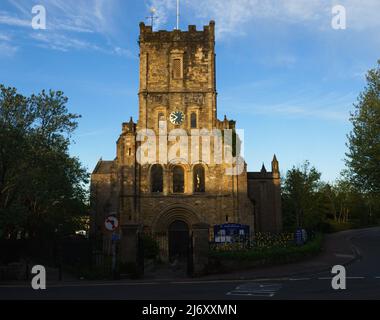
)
(199, 178)
(157, 178)
(178, 180)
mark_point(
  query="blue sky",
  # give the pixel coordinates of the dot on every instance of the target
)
(285, 75)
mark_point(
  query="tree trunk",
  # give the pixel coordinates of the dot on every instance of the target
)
(340, 214)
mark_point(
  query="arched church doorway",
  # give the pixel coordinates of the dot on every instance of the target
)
(178, 240)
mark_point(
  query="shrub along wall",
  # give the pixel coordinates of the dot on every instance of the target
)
(222, 261)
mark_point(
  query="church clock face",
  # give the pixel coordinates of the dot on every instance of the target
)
(177, 117)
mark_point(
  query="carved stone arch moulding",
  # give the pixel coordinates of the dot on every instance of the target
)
(172, 213)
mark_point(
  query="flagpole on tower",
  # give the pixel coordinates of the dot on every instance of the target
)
(177, 14)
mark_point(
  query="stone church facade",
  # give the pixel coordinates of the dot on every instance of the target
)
(178, 92)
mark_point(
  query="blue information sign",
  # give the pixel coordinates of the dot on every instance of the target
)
(115, 236)
(300, 236)
(231, 232)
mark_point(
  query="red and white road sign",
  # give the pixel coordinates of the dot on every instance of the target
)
(111, 223)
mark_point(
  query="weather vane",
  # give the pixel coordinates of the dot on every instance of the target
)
(152, 16)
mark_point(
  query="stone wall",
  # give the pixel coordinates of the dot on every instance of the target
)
(264, 189)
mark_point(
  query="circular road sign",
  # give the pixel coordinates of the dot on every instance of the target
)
(111, 223)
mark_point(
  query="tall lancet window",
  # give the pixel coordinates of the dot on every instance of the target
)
(157, 178)
(199, 178)
(161, 120)
(178, 180)
(177, 69)
(193, 120)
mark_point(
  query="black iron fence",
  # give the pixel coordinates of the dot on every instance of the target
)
(77, 257)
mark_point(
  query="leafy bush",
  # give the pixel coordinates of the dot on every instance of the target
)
(257, 240)
(151, 248)
(272, 255)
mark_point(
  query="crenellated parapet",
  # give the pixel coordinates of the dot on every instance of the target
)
(192, 34)
(225, 124)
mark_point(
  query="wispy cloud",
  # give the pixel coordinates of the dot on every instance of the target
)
(303, 111)
(4, 37)
(7, 50)
(233, 17)
(11, 20)
(69, 23)
(79, 15)
(305, 103)
(63, 43)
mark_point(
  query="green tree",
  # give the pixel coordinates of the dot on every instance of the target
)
(329, 195)
(363, 156)
(345, 204)
(301, 197)
(345, 195)
(42, 188)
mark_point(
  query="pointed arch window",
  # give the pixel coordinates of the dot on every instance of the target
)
(157, 178)
(178, 180)
(199, 178)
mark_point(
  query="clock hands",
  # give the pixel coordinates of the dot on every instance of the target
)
(177, 117)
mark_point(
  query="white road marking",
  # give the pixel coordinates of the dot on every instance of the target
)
(231, 280)
(330, 278)
(256, 290)
(237, 293)
(342, 255)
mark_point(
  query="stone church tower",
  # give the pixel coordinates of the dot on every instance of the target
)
(178, 92)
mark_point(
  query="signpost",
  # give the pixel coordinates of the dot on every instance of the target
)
(111, 223)
(115, 236)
